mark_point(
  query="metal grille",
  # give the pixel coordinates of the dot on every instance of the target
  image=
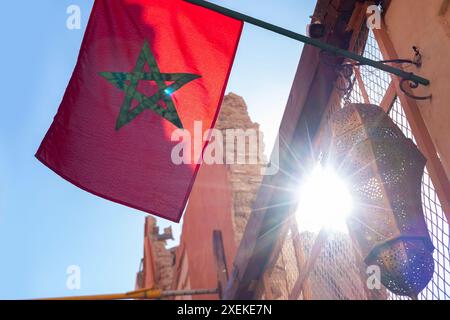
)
(376, 83)
(439, 287)
(339, 272)
(335, 275)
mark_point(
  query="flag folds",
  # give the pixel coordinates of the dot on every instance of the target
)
(145, 69)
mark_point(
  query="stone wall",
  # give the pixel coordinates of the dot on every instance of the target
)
(245, 179)
(158, 261)
(164, 264)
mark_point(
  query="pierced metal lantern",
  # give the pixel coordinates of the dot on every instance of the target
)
(384, 170)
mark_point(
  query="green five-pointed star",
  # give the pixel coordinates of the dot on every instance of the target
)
(128, 82)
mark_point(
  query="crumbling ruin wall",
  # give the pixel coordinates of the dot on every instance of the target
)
(245, 179)
(158, 262)
(164, 264)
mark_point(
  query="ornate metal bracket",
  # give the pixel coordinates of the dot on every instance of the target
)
(412, 85)
(345, 71)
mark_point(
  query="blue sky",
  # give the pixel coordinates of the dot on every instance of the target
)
(47, 224)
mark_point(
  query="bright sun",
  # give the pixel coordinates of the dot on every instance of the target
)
(324, 202)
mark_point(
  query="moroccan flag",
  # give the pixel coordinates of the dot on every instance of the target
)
(145, 69)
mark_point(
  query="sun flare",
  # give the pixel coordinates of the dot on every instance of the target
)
(324, 201)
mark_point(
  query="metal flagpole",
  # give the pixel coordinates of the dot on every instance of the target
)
(409, 76)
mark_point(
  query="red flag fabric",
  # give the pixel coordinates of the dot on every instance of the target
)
(145, 69)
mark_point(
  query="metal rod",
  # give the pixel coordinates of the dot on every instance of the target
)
(313, 42)
(140, 294)
(194, 292)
